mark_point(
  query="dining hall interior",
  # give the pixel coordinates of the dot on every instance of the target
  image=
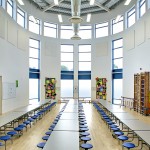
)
(74, 74)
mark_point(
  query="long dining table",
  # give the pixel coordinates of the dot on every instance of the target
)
(19, 113)
(138, 127)
(65, 135)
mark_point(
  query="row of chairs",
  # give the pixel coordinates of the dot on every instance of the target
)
(51, 128)
(116, 131)
(83, 128)
(18, 130)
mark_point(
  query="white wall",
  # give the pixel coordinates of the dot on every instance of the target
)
(13, 62)
(0, 95)
(136, 53)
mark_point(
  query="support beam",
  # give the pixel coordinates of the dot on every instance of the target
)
(102, 6)
(50, 6)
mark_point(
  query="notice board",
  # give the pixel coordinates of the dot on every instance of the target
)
(9, 90)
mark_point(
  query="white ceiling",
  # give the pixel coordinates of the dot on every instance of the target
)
(64, 7)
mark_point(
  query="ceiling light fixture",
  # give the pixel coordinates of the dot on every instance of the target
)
(92, 2)
(127, 2)
(20, 2)
(88, 17)
(117, 18)
(32, 18)
(56, 2)
(60, 18)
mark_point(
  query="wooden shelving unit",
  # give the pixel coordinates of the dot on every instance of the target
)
(136, 92)
(142, 93)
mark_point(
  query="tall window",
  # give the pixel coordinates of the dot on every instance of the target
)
(67, 73)
(0, 2)
(84, 57)
(84, 73)
(66, 57)
(101, 30)
(85, 32)
(117, 67)
(142, 7)
(117, 54)
(66, 32)
(50, 29)
(34, 25)
(34, 69)
(20, 17)
(117, 26)
(131, 17)
(10, 7)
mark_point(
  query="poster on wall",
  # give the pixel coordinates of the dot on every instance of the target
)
(50, 88)
(101, 88)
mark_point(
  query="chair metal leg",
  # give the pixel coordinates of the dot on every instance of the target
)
(5, 145)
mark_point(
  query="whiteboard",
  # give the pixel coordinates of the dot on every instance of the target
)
(9, 90)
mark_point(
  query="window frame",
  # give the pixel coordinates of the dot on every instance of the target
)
(65, 29)
(116, 73)
(56, 29)
(69, 74)
(84, 74)
(90, 29)
(1, 3)
(37, 23)
(24, 17)
(38, 49)
(113, 23)
(35, 73)
(96, 28)
(140, 6)
(113, 49)
(128, 16)
(8, 2)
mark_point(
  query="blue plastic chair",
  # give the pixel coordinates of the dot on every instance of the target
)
(87, 146)
(118, 133)
(27, 123)
(48, 132)
(128, 145)
(41, 145)
(83, 126)
(110, 123)
(1, 144)
(84, 134)
(85, 139)
(83, 129)
(122, 138)
(23, 126)
(113, 126)
(45, 137)
(12, 133)
(5, 138)
(19, 130)
(115, 129)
